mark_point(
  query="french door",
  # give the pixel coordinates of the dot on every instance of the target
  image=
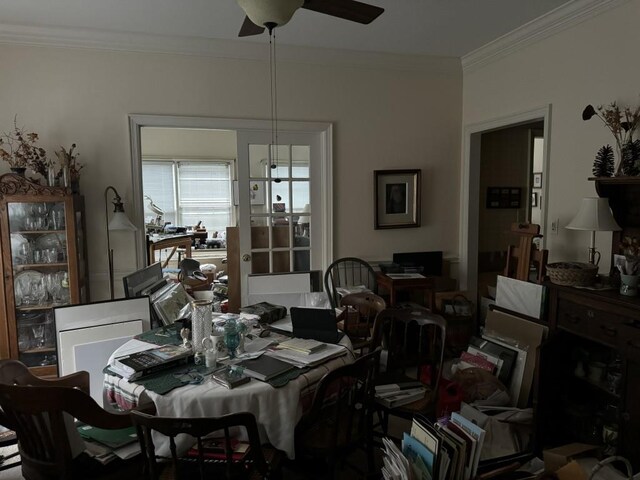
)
(282, 197)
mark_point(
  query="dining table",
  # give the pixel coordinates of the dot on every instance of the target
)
(277, 409)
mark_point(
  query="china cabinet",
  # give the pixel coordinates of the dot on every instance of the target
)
(44, 264)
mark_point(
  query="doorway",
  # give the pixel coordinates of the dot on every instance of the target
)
(475, 186)
(310, 209)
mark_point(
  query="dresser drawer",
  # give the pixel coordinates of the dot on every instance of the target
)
(630, 345)
(599, 325)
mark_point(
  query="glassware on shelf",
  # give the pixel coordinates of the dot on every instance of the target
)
(38, 335)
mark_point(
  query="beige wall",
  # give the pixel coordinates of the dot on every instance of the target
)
(383, 118)
(592, 62)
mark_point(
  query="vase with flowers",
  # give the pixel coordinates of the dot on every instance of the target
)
(69, 168)
(20, 150)
(621, 122)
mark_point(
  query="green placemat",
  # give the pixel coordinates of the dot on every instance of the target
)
(161, 336)
(165, 381)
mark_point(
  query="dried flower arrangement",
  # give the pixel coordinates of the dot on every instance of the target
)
(631, 250)
(69, 160)
(621, 122)
(18, 148)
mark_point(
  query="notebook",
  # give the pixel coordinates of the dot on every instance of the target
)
(315, 323)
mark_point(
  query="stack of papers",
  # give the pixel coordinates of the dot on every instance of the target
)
(302, 360)
(398, 394)
(395, 465)
(302, 345)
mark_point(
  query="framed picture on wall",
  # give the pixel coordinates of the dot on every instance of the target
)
(537, 180)
(397, 198)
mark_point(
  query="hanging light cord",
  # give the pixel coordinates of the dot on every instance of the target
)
(274, 95)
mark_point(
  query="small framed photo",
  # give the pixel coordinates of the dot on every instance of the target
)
(534, 199)
(537, 180)
(397, 198)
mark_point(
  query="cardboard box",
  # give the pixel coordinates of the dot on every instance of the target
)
(558, 457)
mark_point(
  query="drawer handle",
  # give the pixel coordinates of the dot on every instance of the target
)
(612, 332)
(591, 314)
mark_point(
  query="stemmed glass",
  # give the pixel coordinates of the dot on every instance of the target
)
(38, 335)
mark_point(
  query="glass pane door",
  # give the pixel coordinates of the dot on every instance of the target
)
(39, 261)
(276, 204)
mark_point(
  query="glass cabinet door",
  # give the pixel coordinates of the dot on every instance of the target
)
(39, 261)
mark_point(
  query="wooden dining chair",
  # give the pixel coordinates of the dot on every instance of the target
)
(340, 419)
(348, 272)
(414, 340)
(14, 372)
(359, 316)
(49, 444)
(258, 463)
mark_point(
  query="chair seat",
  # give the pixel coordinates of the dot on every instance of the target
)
(189, 466)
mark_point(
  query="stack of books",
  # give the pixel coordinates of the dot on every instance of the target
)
(397, 394)
(264, 368)
(147, 362)
(299, 359)
(302, 345)
(229, 376)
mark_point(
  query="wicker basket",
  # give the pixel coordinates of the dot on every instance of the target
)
(572, 274)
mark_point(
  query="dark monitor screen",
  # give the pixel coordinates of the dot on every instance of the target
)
(142, 279)
(431, 262)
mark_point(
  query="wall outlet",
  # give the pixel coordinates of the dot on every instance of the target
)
(555, 226)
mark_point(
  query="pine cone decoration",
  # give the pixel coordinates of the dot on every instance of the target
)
(603, 164)
(631, 158)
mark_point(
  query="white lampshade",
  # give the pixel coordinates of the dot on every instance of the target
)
(120, 221)
(262, 12)
(594, 215)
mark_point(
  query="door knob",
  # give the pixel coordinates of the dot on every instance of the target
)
(246, 257)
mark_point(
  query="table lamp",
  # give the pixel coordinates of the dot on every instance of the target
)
(595, 216)
(119, 221)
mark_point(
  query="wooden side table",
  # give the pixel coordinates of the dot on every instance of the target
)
(408, 281)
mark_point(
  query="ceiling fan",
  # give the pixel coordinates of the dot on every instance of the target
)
(268, 14)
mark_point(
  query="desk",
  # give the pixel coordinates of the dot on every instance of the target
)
(277, 410)
(168, 241)
(407, 281)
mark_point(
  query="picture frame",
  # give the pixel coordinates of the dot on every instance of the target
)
(503, 197)
(534, 199)
(257, 190)
(397, 195)
(537, 180)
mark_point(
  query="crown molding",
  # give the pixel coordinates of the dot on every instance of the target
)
(217, 48)
(555, 21)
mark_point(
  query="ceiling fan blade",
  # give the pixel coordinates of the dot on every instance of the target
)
(347, 9)
(249, 28)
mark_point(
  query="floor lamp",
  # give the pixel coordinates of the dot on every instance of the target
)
(594, 216)
(119, 221)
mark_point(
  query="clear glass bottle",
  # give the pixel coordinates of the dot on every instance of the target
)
(232, 336)
(201, 326)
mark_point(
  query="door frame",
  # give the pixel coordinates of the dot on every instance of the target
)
(324, 129)
(470, 187)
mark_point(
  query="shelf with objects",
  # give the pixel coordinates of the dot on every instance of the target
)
(44, 263)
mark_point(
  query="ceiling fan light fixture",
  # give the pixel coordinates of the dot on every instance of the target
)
(263, 12)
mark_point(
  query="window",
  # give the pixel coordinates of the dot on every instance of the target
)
(190, 192)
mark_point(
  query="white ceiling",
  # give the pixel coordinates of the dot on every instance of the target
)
(419, 27)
